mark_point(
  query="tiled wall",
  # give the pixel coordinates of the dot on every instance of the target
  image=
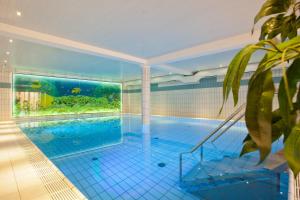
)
(198, 100)
(5, 94)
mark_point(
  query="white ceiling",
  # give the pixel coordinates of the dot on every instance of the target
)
(143, 28)
(222, 59)
(27, 56)
(37, 58)
(140, 28)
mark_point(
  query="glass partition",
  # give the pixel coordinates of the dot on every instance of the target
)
(40, 95)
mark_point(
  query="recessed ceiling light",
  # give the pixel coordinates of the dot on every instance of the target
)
(10, 41)
(5, 61)
(7, 53)
(19, 13)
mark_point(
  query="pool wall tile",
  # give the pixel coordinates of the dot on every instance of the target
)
(198, 100)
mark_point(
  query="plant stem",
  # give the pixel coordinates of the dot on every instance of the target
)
(273, 45)
(284, 76)
(266, 49)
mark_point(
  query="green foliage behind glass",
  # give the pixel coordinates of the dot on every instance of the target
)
(64, 96)
(84, 100)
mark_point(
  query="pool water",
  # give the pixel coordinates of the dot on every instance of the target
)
(110, 158)
(58, 138)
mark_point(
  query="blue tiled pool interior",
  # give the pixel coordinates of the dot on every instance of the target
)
(111, 158)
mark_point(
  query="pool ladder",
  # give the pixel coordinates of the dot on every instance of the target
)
(238, 112)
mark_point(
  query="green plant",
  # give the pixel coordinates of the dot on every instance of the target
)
(107, 90)
(281, 44)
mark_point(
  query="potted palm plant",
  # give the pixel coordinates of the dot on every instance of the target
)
(280, 42)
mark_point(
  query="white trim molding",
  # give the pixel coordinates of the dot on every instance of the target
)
(63, 43)
(216, 46)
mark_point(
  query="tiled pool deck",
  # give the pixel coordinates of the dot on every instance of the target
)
(25, 173)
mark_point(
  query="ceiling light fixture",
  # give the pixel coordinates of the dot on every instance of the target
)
(7, 53)
(10, 41)
(19, 13)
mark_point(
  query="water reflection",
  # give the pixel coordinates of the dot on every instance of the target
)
(60, 138)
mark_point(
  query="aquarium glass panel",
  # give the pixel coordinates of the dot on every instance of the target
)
(40, 95)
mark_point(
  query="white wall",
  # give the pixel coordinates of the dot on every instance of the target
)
(198, 102)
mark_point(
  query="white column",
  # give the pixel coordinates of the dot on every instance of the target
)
(146, 83)
(5, 93)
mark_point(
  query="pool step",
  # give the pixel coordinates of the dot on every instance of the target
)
(227, 178)
(231, 165)
(234, 172)
(261, 184)
(221, 167)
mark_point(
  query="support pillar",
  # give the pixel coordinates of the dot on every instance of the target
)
(5, 93)
(146, 83)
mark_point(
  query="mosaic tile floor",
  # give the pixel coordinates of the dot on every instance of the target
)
(145, 166)
(128, 171)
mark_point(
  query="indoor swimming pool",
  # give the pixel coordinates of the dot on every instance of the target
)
(110, 158)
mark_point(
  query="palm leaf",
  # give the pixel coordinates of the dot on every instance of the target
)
(278, 128)
(272, 27)
(289, 29)
(292, 149)
(271, 7)
(293, 77)
(259, 111)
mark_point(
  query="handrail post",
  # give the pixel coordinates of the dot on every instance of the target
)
(201, 153)
(180, 167)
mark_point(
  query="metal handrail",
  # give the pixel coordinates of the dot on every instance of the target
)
(228, 127)
(200, 144)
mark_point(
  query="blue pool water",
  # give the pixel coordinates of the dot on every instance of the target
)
(110, 158)
(68, 137)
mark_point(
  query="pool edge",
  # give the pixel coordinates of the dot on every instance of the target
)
(37, 166)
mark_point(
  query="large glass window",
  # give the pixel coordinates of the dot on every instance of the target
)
(40, 95)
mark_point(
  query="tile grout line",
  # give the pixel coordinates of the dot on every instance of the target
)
(13, 169)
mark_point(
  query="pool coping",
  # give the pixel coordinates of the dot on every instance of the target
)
(63, 117)
(32, 174)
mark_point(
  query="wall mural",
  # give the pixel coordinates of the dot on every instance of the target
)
(40, 95)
